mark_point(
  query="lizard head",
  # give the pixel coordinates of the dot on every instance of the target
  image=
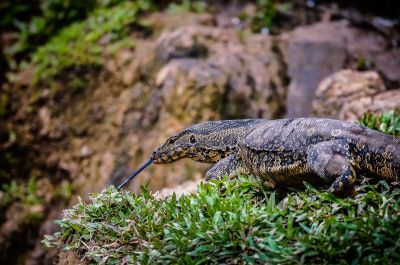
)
(206, 142)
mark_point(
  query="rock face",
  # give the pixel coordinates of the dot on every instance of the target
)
(314, 52)
(213, 68)
(343, 87)
(347, 94)
(381, 102)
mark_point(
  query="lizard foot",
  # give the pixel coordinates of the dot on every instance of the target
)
(229, 166)
(343, 186)
(331, 161)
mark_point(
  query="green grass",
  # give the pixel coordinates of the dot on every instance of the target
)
(387, 122)
(233, 221)
(83, 43)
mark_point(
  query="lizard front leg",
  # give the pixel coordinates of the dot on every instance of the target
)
(229, 166)
(331, 161)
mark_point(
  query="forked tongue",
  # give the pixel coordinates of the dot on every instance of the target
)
(135, 174)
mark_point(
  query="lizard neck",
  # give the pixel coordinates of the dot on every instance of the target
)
(216, 140)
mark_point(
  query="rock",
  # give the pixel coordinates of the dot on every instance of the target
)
(381, 102)
(192, 90)
(347, 94)
(68, 164)
(343, 87)
(45, 119)
(313, 52)
(172, 22)
(45, 190)
(85, 151)
(187, 42)
(106, 166)
(216, 70)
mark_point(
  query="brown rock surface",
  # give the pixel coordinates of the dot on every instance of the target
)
(314, 52)
(342, 87)
(240, 72)
(382, 102)
(347, 94)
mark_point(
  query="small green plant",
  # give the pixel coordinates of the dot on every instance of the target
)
(64, 190)
(264, 16)
(25, 193)
(11, 192)
(364, 64)
(387, 122)
(29, 199)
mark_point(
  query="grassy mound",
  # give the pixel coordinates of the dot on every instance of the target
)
(239, 221)
(235, 221)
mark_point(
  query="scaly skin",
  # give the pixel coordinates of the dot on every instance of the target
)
(288, 152)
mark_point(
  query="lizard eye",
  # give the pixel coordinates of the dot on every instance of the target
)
(171, 141)
(192, 139)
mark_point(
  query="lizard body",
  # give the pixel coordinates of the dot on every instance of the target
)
(288, 152)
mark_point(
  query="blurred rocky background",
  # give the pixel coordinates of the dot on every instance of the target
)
(90, 88)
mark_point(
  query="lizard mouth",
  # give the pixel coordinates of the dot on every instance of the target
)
(160, 157)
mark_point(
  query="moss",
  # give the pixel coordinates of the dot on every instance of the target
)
(82, 43)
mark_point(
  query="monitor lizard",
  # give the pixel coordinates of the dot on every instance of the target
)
(288, 152)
